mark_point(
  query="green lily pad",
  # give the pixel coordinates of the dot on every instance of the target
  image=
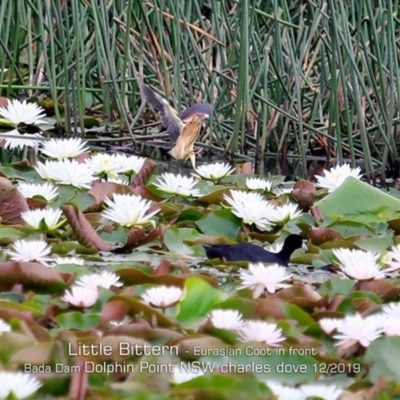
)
(198, 299)
(221, 223)
(78, 320)
(358, 201)
(383, 355)
(174, 238)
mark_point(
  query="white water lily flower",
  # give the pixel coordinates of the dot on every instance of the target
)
(177, 184)
(64, 148)
(285, 213)
(30, 250)
(124, 321)
(104, 279)
(251, 207)
(4, 327)
(81, 296)
(66, 172)
(280, 191)
(17, 385)
(130, 164)
(356, 329)
(283, 392)
(46, 190)
(129, 210)
(226, 319)
(116, 180)
(184, 372)
(50, 216)
(328, 325)
(21, 112)
(391, 327)
(13, 139)
(393, 259)
(395, 252)
(336, 176)
(359, 264)
(162, 296)
(260, 331)
(323, 391)
(105, 164)
(214, 172)
(391, 310)
(258, 184)
(69, 260)
(260, 278)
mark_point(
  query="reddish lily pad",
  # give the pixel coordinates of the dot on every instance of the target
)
(137, 307)
(12, 203)
(82, 229)
(33, 276)
(101, 190)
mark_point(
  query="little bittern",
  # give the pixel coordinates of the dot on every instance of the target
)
(184, 127)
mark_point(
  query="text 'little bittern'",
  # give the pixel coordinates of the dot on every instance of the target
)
(184, 127)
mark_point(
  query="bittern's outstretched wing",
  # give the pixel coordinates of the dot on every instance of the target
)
(203, 109)
(169, 116)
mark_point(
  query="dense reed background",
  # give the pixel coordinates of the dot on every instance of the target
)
(288, 78)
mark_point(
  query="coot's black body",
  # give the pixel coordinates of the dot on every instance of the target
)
(253, 253)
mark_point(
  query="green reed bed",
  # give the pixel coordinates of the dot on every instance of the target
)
(285, 78)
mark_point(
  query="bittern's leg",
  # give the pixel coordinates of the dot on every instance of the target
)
(170, 164)
(193, 160)
(178, 166)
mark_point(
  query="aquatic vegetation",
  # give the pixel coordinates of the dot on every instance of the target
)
(118, 276)
(333, 178)
(63, 148)
(66, 172)
(21, 112)
(46, 190)
(214, 172)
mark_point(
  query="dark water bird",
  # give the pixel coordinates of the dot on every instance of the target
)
(184, 128)
(253, 253)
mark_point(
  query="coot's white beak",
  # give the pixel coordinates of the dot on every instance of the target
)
(304, 246)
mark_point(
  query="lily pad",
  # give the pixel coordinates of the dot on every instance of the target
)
(358, 201)
(198, 299)
(221, 223)
(383, 355)
(174, 238)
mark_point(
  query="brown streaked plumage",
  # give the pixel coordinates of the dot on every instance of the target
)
(184, 147)
(184, 127)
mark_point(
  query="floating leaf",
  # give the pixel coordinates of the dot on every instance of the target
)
(78, 320)
(216, 197)
(12, 203)
(221, 223)
(198, 299)
(174, 237)
(322, 235)
(137, 277)
(101, 190)
(138, 237)
(144, 174)
(383, 356)
(33, 276)
(136, 307)
(359, 201)
(82, 229)
(304, 193)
